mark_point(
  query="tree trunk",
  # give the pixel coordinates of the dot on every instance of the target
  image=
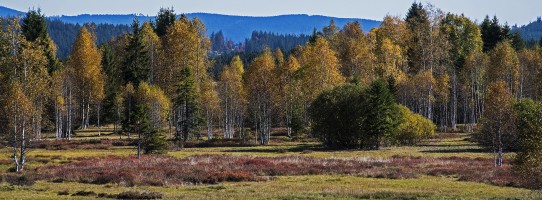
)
(454, 99)
(99, 128)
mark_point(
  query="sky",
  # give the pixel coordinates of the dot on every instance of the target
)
(518, 12)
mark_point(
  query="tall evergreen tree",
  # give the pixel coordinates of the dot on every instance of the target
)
(136, 68)
(112, 86)
(493, 33)
(165, 18)
(34, 26)
(418, 23)
(150, 138)
(186, 107)
(34, 29)
(379, 113)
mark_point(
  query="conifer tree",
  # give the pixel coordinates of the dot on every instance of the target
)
(136, 68)
(34, 29)
(150, 138)
(165, 18)
(380, 114)
(186, 107)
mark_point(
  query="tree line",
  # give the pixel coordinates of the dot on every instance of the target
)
(156, 82)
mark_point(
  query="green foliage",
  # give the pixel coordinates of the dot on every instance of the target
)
(380, 114)
(164, 19)
(413, 127)
(112, 83)
(128, 103)
(34, 29)
(498, 124)
(529, 157)
(464, 37)
(34, 26)
(136, 68)
(493, 33)
(337, 116)
(297, 123)
(286, 42)
(417, 20)
(152, 139)
(350, 116)
(187, 106)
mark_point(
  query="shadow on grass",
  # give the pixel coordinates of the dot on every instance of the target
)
(467, 150)
(95, 135)
(298, 148)
(447, 145)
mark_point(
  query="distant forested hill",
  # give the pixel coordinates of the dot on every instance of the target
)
(284, 30)
(236, 28)
(531, 31)
(63, 34)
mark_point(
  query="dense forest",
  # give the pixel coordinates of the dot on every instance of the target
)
(63, 34)
(393, 85)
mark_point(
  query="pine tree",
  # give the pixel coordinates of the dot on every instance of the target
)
(493, 33)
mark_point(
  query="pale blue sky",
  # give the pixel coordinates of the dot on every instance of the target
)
(513, 11)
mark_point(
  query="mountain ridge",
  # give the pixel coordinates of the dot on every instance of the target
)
(236, 28)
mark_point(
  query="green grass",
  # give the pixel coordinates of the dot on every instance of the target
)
(293, 187)
(448, 147)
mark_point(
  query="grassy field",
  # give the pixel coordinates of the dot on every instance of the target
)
(339, 184)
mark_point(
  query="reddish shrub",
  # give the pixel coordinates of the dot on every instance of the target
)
(210, 169)
(6, 162)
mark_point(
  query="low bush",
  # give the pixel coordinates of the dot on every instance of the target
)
(413, 128)
(21, 180)
(140, 195)
(84, 193)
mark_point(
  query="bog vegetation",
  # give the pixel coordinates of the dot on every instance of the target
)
(392, 87)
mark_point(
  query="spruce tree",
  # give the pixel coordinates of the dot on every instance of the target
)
(136, 68)
(417, 20)
(165, 18)
(34, 26)
(34, 29)
(150, 139)
(112, 86)
(186, 106)
(379, 114)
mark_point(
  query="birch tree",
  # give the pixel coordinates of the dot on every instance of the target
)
(25, 83)
(232, 97)
(498, 125)
(259, 83)
(86, 63)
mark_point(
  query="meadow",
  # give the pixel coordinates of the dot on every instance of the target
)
(89, 166)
